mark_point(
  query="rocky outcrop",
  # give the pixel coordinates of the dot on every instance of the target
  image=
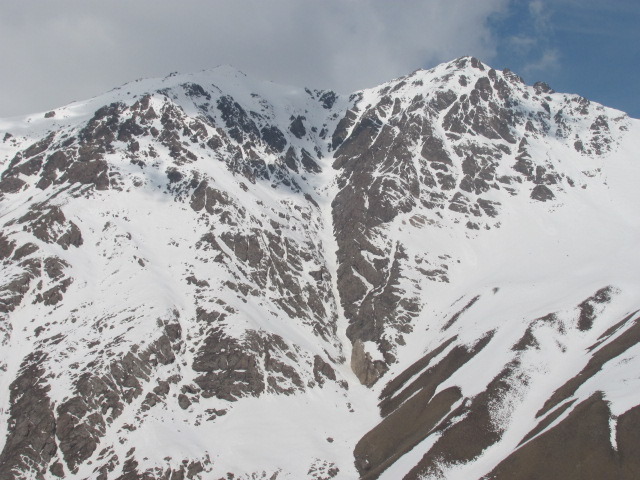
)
(30, 443)
(579, 447)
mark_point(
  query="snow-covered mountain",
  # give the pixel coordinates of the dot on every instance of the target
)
(211, 277)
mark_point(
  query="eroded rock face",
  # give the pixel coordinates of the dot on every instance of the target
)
(366, 369)
(49, 224)
(30, 443)
(579, 447)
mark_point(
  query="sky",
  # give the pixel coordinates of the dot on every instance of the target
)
(57, 52)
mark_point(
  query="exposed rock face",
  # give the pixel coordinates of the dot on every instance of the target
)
(366, 369)
(30, 443)
(579, 447)
(198, 273)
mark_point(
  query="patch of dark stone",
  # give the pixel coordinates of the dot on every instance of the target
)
(472, 225)
(328, 99)
(246, 248)
(29, 167)
(192, 280)
(39, 147)
(579, 448)
(14, 291)
(607, 352)
(100, 130)
(158, 395)
(429, 379)
(398, 433)
(612, 330)
(58, 161)
(366, 369)
(587, 307)
(459, 203)
(488, 206)
(30, 443)
(414, 413)
(528, 339)
(237, 120)
(6, 246)
(273, 137)
(433, 150)
(560, 120)
(548, 420)
(212, 200)
(310, 199)
(128, 130)
(193, 90)
(342, 129)
(600, 124)
(454, 318)
(297, 126)
(542, 193)
(443, 99)
(480, 114)
(468, 430)
(88, 172)
(260, 256)
(99, 398)
(494, 123)
(174, 175)
(209, 242)
(393, 386)
(291, 160)
(322, 371)
(55, 294)
(319, 470)
(501, 86)
(49, 224)
(175, 129)
(542, 88)
(229, 368)
(475, 185)
(544, 178)
(601, 140)
(112, 461)
(57, 469)
(309, 163)
(436, 274)
(188, 470)
(11, 185)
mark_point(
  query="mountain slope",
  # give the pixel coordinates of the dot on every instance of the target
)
(434, 278)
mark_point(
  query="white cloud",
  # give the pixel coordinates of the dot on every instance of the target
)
(522, 44)
(539, 14)
(55, 52)
(549, 60)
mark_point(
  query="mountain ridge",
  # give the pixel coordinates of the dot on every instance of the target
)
(170, 256)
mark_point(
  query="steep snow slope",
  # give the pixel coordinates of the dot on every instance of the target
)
(206, 276)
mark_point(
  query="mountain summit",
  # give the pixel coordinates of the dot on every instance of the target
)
(209, 277)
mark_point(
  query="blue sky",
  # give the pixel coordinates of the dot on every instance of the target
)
(57, 52)
(587, 47)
